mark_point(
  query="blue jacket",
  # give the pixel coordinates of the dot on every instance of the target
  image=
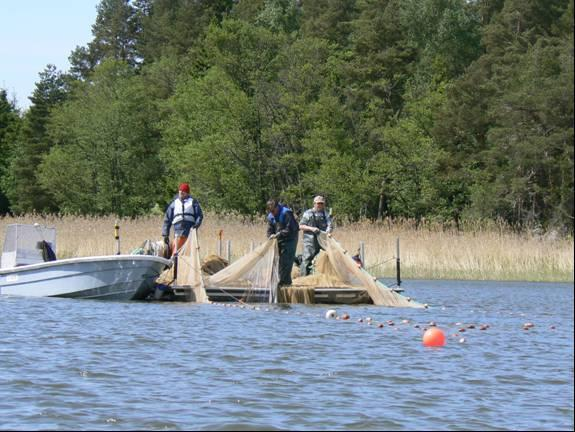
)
(169, 216)
(285, 225)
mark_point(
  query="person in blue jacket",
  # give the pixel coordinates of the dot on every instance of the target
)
(283, 226)
(184, 214)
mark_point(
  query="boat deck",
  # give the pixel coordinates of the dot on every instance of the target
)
(321, 295)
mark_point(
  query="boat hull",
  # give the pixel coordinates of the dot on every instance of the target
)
(118, 277)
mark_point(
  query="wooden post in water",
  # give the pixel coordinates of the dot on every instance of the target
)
(117, 237)
(362, 253)
(229, 251)
(398, 264)
(219, 243)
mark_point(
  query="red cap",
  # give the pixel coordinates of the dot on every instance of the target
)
(184, 187)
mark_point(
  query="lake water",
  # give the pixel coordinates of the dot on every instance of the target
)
(81, 364)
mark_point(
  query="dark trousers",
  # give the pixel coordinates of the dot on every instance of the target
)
(287, 250)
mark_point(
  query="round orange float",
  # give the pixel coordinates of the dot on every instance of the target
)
(434, 337)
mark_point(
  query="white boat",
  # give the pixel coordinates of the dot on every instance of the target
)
(24, 270)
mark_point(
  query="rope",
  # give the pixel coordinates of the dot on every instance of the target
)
(381, 262)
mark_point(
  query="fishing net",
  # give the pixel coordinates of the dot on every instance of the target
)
(334, 268)
(255, 272)
(324, 276)
(297, 294)
(343, 267)
(187, 270)
(256, 276)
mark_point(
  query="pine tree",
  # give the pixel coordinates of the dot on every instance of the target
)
(9, 123)
(33, 143)
(115, 35)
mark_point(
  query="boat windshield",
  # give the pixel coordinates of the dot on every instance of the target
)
(27, 244)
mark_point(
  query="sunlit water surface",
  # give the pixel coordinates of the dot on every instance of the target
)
(81, 364)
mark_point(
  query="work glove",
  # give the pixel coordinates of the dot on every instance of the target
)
(167, 240)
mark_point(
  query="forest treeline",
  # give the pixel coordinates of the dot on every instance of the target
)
(444, 110)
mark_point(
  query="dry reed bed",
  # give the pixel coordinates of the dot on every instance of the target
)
(480, 253)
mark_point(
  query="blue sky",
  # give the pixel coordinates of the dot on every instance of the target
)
(34, 33)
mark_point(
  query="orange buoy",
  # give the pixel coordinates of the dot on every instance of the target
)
(434, 337)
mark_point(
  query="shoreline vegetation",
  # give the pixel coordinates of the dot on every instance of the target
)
(482, 251)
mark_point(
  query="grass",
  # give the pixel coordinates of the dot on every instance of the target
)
(478, 252)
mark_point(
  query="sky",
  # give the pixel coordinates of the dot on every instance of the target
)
(35, 33)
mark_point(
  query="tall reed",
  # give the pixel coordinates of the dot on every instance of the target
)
(480, 251)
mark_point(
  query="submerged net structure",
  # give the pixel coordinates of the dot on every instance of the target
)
(256, 275)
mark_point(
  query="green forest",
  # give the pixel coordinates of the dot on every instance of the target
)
(431, 110)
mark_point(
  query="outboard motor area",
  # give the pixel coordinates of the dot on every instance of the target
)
(28, 244)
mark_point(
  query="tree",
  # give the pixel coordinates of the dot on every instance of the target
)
(244, 51)
(33, 143)
(280, 16)
(209, 141)
(105, 159)
(115, 37)
(382, 61)
(528, 176)
(174, 27)
(506, 121)
(329, 19)
(447, 34)
(9, 123)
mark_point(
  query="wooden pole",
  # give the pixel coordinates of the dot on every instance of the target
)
(117, 237)
(362, 253)
(229, 251)
(219, 244)
(398, 264)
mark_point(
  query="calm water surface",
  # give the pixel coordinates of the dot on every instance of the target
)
(81, 364)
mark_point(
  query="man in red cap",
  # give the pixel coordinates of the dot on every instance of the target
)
(184, 213)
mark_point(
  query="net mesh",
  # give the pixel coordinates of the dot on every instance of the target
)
(325, 275)
(346, 269)
(297, 295)
(187, 272)
(255, 271)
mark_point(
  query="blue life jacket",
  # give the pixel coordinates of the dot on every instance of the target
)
(281, 217)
